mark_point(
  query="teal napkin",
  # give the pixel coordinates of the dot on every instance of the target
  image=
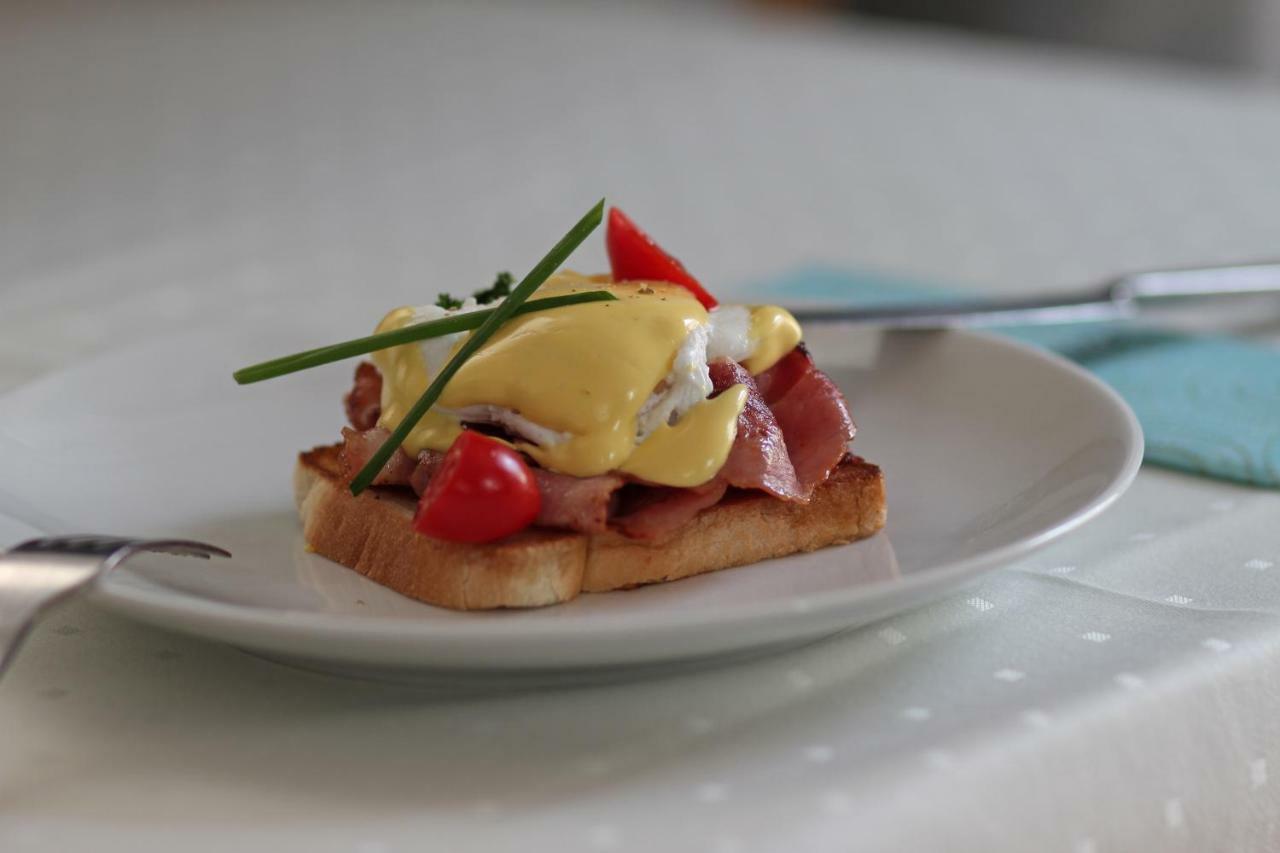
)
(1208, 405)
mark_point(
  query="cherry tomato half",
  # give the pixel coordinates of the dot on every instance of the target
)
(482, 491)
(633, 256)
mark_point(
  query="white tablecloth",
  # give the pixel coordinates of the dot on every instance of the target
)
(158, 163)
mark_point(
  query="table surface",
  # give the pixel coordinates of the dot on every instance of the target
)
(163, 163)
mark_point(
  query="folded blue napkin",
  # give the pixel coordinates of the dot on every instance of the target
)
(1208, 405)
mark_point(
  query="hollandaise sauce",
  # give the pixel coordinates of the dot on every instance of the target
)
(582, 375)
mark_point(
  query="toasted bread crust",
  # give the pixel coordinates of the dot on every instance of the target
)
(371, 533)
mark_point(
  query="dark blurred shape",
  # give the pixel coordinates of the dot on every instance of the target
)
(1238, 34)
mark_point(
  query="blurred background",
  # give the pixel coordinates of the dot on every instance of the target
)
(186, 159)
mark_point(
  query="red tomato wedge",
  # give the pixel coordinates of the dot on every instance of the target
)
(482, 491)
(633, 256)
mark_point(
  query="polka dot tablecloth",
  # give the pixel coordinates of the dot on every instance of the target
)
(159, 163)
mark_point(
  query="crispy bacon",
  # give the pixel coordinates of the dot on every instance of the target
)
(364, 400)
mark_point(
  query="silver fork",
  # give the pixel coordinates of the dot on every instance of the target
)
(40, 573)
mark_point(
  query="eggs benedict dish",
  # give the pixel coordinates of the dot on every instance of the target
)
(581, 433)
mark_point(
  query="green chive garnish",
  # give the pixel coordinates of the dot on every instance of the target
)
(417, 332)
(504, 312)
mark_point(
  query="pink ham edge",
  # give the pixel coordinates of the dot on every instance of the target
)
(358, 447)
(669, 510)
(578, 503)
(758, 458)
(364, 401)
(812, 413)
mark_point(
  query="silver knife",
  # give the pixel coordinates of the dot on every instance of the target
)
(1119, 298)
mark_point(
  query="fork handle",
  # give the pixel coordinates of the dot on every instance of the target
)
(29, 584)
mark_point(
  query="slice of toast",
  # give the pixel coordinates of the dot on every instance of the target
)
(372, 533)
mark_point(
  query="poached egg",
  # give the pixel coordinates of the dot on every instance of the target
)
(596, 387)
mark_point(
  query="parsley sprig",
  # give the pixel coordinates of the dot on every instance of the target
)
(500, 289)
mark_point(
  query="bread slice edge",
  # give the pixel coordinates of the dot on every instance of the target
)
(372, 534)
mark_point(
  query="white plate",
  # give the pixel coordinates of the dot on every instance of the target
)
(990, 449)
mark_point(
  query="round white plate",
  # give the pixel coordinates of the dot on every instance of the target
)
(990, 449)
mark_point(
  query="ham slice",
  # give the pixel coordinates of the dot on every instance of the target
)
(658, 512)
(792, 433)
(574, 503)
(358, 448)
(570, 503)
(364, 401)
(577, 503)
(762, 456)
(758, 458)
(812, 414)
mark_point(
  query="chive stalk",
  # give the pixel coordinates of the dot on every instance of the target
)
(504, 312)
(416, 332)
